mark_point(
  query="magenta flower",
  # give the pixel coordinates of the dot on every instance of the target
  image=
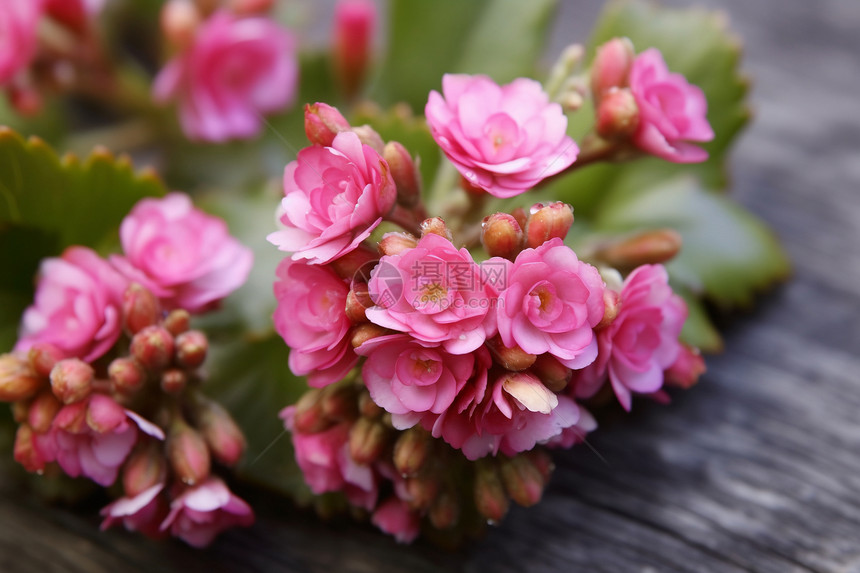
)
(93, 437)
(642, 341)
(77, 306)
(395, 517)
(234, 70)
(408, 379)
(333, 198)
(327, 466)
(435, 293)
(671, 111)
(551, 301)
(311, 318)
(184, 256)
(201, 512)
(18, 41)
(504, 139)
(143, 512)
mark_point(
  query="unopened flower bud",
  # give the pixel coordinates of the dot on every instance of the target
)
(153, 347)
(140, 308)
(515, 359)
(541, 459)
(177, 321)
(411, 451)
(645, 248)
(523, 481)
(396, 243)
(367, 441)
(357, 302)
(339, 402)
(436, 226)
(42, 357)
(364, 332)
(445, 510)
(491, 501)
(21, 409)
(179, 22)
(358, 262)
(223, 436)
(501, 235)
(323, 122)
(368, 136)
(354, 24)
(686, 369)
(25, 99)
(422, 490)
(404, 172)
(126, 375)
(72, 380)
(551, 372)
(617, 115)
(251, 7)
(308, 417)
(18, 379)
(25, 451)
(611, 66)
(187, 452)
(611, 308)
(367, 407)
(173, 380)
(43, 410)
(191, 349)
(548, 222)
(144, 468)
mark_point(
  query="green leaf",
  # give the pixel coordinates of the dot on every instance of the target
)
(698, 330)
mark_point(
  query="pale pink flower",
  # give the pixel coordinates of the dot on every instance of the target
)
(327, 466)
(395, 517)
(235, 70)
(551, 301)
(77, 307)
(18, 40)
(333, 198)
(503, 139)
(641, 342)
(435, 293)
(408, 379)
(188, 259)
(672, 112)
(575, 434)
(311, 318)
(201, 512)
(143, 512)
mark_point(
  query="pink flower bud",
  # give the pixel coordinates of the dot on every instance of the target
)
(367, 441)
(42, 412)
(18, 379)
(153, 347)
(42, 357)
(354, 24)
(396, 243)
(338, 402)
(361, 260)
(308, 415)
(445, 510)
(617, 115)
(145, 468)
(222, 434)
(686, 369)
(404, 172)
(491, 501)
(140, 308)
(191, 349)
(173, 381)
(126, 375)
(551, 372)
(187, 452)
(72, 380)
(411, 451)
(176, 322)
(364, 332)
(513, 358)
(645, 248)
(612, 306)
(541, 460)
(368, 136)
(422, 490)
(357, 301)
(435, 226)
(26, 451)
(367, 407)
(179, 22)
(26, 100)
(323, 122)
(523, 481)
(501, 235)
(548, 222)
(611, 66)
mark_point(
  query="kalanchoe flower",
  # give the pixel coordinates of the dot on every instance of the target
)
(435, 293)
(311, 318)
(354, 24)
(234, 70)
(327, 466)
(144, 512)
(641, 342)
(395, 517)
(18, 41)
(672, 112)
(77, 307)
(550, 303)
(333, 198)
(503, 139)
(200, 513)
(185, 257)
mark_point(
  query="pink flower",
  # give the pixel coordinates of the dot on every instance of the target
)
(311, 318)
(504, 139)
(18, 40)
(77, 307)
(327, 466)
(671, 111)
(93, 437)
(234, 70)
(184, 256)
(550, 303)
(408, 379)
(575, 434)
(435, 293)
(395, 517)
(641, 342)
(333, 198)
(204, 511)
(143, 512)
(354, 23)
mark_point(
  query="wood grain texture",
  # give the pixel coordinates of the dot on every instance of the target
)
(756, 469)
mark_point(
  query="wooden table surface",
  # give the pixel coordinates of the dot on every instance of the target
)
(755, 469)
